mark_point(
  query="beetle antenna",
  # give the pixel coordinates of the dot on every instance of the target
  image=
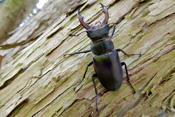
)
(119, 20)
(71, 35)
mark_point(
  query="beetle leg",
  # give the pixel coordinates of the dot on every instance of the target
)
(1, 57)
(85, 72)
(127, 76)
(85, 51)
(93, 76)
(119, 20)
(97, 23)
(113, 30)
(71, 35)
(126, 53)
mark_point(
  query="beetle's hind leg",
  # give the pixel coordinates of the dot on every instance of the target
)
(128, 54)
(93, 79)
(127, 76)
(85, 51)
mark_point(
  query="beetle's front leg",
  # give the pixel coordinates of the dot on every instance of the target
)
(127, 76)
(128, 54)
(86, 51)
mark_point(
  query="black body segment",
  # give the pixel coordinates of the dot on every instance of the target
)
(102, 46)
(98, 33)
(109, 70)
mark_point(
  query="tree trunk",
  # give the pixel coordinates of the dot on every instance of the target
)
(12, 13)
(37, 80)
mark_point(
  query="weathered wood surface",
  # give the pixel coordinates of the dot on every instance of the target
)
(36, 79)
(12, 13)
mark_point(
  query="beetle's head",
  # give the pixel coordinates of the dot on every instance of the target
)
(99, 31)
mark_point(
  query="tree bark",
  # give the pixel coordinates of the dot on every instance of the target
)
(37, 80)
(12, 14)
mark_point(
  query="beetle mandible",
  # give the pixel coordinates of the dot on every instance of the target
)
(106, 62)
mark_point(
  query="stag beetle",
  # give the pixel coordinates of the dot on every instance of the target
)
(106, 62)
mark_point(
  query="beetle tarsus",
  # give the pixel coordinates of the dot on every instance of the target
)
(85, 51)
(136, 54)
(1, 57)
(96, 93)
(128, 54)
(120, 50)
(72, 35)
(127, 76)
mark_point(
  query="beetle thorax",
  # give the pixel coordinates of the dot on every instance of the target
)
(98, 33)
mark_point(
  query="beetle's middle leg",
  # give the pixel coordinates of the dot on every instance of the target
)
(126, 53)
(127, 76)
(93, 76)
(85, 51)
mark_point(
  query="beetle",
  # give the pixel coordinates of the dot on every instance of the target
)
(106, 62)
